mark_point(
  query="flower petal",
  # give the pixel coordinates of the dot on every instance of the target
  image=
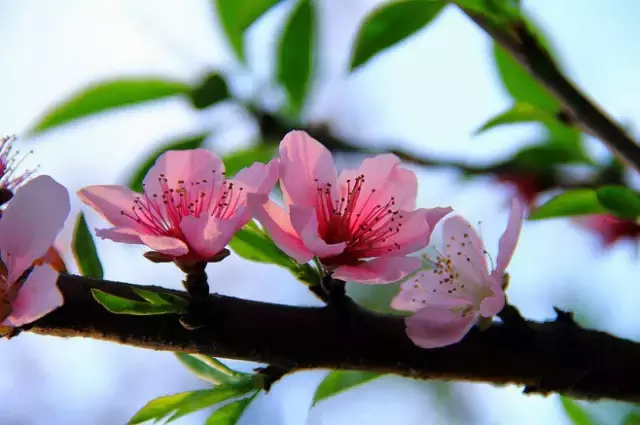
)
(305, 223)
(31, 222)
(120, 234)
(110, 201)
(208, 235)
(165, 244)
(38, 296)
(427, 288)
(379, 270)
(258, 178)
(277, 222)
(509, 238)
(466, 251)
(303, 160)
(434, 215)
(492, 305)
(189, 166)
(438, 326)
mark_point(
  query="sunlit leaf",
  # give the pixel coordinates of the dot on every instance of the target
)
(119, 305)
(575, 412)
(518, 113)
(620, 200)
(255, 245)
(160, 298)
(296, 52)
(547, 156)
(203, 367)
(183, 143)
(339, 381)
(236, 16)
(84, 250)
(106, 96)
(237, 160)
(211, 90)
(229, 414)
(570, 203)
(633, 418)
(160, 407)
(389, 24)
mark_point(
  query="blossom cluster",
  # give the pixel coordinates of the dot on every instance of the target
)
(359, 225)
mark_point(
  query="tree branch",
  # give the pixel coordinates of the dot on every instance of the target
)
(579, 110)
(551, 357)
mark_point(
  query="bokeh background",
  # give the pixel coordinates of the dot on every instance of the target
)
(428, 94)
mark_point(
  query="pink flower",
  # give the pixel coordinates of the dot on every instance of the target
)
(28, 228)
(10, 160)
(361, 225)
(452, 297)
(188, 209)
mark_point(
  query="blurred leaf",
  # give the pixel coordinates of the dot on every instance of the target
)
(633, 418)
(374, 297)
(575, 412)
(341, 380)
(203, 367)
(178, 405)
(229, 414)
(107, 96)
(212, 89)
(161, 298)
(296, 54)
(620, 200)
(237, 160)
(84, 250)
(519, 113)
(184, 143)
(499, 11)
(256, 245)
(119, 305)
(547, 156)
(571, 203)
(389, 24)
(236, 16)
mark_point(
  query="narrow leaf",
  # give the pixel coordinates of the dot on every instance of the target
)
(106, 96)
(257, 246)
(119, 305)
(575, 412)
(191, 142)
(620, 200)
(231, 413)
(296, 54)
(339, 381)
(159, 407)
(519, 113)
(571, 203)
(389, 24)
(84, 250)
(204, 370)
(236, 16)
(211, 90)
(237, 160)
(161, 298)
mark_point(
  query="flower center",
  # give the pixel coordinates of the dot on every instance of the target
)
(10, 161)
(357, 219)
(161, 213)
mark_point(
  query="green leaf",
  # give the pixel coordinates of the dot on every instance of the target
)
(633, 418)
(160, 407)
(237, 160)
(202, 366)
(212, 89)
(575, 412)
(84, 250)
(184, 143)
(620, 200)
(161, 298)
(571, 203)
(339, 381)
(547, 156)
(519, 113)
(231, 413)
(389, 24)
(296, 54)
(236, 16)
(256, 245)
(106, 96)
(119, 305)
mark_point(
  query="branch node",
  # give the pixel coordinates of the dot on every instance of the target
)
(565, 317)
(271, 374)
(511, 318)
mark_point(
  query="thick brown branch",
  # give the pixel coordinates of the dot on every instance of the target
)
(581, 111)
(544, 357)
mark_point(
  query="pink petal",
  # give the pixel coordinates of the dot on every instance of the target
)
(258, 178)
(434, 215)
(492, 305)
(38, 296)
(379, 270)
(110, 201)
(303, 160)
(437, 326)
(466, 250)
(165, 244)
(208, 235)
(190, 166)
(277, 222)
(120, 234)
(31, 222)
(305, 223)
(426, 287)
(509, 239)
